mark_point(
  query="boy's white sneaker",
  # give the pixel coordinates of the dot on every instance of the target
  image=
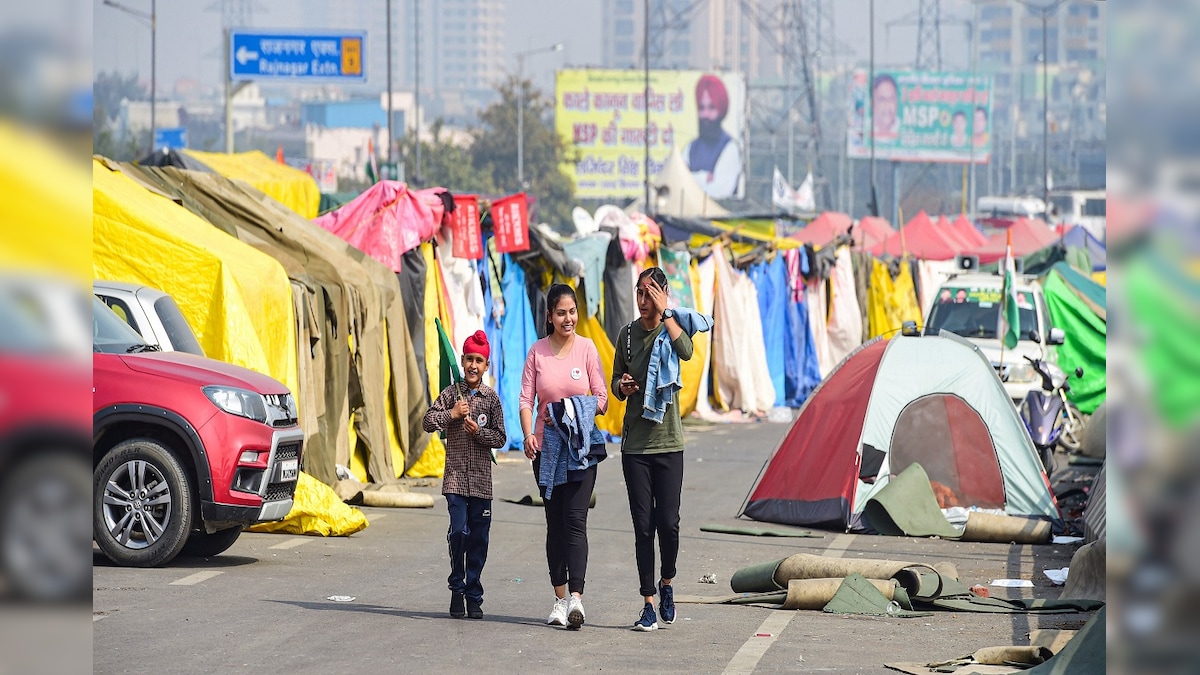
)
(575, 613)
(558, 615)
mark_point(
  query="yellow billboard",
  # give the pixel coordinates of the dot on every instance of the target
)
(602, 114)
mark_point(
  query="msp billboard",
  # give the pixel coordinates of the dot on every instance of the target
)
(602, 114)
(921, 117)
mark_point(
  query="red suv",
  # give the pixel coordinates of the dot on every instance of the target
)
(186, 450)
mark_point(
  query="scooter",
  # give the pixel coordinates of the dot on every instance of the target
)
(1050, 418)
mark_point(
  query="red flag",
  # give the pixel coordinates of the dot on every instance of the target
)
(464, 228)
(510, 220)
(279, 155)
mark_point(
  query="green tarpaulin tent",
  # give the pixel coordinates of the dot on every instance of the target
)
(1078, 306)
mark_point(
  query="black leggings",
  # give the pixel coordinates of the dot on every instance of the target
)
(654, 483)
(566, 529)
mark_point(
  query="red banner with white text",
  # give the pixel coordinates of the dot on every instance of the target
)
(464, 228)
(510, 219)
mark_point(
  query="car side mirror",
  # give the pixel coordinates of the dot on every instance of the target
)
(1079, 372)
(910, 329)
(1057, 337)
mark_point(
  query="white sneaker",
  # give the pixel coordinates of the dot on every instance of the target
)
(575, 613)
(558, 615)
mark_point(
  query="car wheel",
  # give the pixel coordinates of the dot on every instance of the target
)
(142, 504)
(44, 543)
(203, 545)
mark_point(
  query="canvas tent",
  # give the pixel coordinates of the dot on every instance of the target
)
(967, 232)
(678, 194)
(934, 401)
(871, 231)
(1028, 236)
(293, 188)
(922, 238)
(824, 228)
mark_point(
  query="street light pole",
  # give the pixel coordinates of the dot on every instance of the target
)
(391, 134)
(153, 18)
(1045, 117)
(556, 47)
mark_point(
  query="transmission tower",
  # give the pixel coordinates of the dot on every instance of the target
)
(234, 13)
(929, 35)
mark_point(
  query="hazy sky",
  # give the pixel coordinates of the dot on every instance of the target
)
(189, 36)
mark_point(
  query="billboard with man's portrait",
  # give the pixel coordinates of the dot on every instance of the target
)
(602, 114)
(920, 116)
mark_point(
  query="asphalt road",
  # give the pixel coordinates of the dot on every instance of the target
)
(263, 606)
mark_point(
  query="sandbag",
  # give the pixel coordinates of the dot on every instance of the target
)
(317, 510)
(989, 527)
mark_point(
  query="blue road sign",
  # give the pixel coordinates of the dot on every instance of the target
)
(257, 55)
(171, 137)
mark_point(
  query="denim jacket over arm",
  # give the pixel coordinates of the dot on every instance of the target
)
(663, 376)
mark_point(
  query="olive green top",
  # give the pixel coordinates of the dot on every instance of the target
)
(638, 434)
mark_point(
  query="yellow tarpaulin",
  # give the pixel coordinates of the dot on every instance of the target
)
(318, 511)
(891, 302)
(293, 188)
(45, 210)
(692, 371)
(433, 460)
(237, 299)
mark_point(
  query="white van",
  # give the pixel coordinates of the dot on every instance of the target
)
(1087, 208)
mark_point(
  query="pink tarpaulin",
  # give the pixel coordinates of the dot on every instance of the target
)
(968, 232)
(1028, 236)
(922, 238)
(872, 232)
(387, 220)
(966, 244)
(824, 228)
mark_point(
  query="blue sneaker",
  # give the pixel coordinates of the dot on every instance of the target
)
(666, 602)
(647, 621)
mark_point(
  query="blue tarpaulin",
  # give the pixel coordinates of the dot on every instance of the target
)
(517, 335)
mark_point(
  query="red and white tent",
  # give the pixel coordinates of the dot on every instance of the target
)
(932, 400)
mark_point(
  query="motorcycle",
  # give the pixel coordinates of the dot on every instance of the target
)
(1050, 418)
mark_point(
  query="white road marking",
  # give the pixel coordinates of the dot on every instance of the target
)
(376, 516)
(746, 659)
(97, 617)
(193, 579)
(292, 543)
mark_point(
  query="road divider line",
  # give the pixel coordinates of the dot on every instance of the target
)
(746, 659)
(97, 617)
(292, 543)
(372, 517)
(193, 579)
(839, 545)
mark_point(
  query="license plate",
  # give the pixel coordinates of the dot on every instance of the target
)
(289, 469)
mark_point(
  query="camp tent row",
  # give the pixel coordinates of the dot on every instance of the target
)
(354, 335)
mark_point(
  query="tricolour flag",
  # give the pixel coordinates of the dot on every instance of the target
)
(448, 369)
(372, 162)
(1010, 316)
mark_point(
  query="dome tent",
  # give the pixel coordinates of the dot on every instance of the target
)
(932, 400)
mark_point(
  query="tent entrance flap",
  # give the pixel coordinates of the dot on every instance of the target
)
(949, 439)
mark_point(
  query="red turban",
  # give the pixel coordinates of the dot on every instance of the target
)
(477, 344)
(716, 91)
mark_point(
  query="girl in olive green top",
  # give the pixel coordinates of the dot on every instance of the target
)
(651, 453)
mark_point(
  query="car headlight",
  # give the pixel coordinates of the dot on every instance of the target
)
(1021, 372)
(239, 402)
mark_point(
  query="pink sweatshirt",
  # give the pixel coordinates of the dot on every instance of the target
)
(549, 379)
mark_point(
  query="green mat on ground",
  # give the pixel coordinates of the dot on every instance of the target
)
(758, 531)
(536, 500)
(856, 595)
(906, 507)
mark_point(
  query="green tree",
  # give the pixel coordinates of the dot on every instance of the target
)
(444, 162)
(494, 151)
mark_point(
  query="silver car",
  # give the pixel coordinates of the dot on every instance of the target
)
(152, 313)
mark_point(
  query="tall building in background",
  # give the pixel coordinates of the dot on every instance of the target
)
(460, 44)
(705, 35)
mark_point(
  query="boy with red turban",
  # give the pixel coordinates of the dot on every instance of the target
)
(469, 413)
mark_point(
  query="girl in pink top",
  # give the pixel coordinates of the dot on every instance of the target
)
(560, 365)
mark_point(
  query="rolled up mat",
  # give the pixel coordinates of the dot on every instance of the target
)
(397, 500)
(992, 528)
(816, 593)
(858, 595)
(1002, 656)
(772, 576)
(906, 507)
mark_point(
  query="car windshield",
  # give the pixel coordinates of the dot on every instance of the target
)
(111, 335)
(974, 312)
